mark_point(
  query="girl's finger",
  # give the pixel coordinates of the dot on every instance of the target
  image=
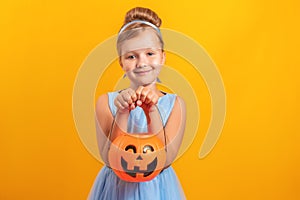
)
(139, 92)
(124, 104)
(149, 98)
(139, 102)
(126, 97)
(119, 105)
(154, 100)
(144, 94)
(132, 106)
(132, 95)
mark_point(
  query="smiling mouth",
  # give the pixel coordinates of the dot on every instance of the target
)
(142, 72)
(150, 168)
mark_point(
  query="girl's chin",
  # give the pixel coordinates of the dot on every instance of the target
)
(144, 83)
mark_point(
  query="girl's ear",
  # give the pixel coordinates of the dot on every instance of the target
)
(163, 60)
(120, 62)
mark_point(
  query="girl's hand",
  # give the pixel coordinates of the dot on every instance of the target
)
(146, 98)
(125, 101)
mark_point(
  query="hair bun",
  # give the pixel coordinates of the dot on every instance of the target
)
(145, 14)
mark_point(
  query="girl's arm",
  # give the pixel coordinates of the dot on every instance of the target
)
(103, 121)
(174, 129)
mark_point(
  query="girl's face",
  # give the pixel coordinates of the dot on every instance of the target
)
(142, 58)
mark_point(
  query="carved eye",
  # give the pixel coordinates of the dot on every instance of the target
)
(130, 148)
(148, 149)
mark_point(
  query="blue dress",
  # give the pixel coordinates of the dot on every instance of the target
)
(165, 186)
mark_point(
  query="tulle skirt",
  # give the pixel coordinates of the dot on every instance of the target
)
(108, 186)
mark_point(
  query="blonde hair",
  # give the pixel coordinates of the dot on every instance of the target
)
(139, 14)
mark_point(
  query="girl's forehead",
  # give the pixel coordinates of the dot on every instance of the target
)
(147, 39)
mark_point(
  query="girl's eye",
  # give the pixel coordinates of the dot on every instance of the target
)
(150, 53)
(130, 57)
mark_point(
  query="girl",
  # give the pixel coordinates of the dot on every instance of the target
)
(141, 56)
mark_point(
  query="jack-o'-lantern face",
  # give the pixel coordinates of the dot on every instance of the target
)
(136, 157)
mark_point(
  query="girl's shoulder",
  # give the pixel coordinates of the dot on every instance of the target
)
(112, 95)
(168, 98)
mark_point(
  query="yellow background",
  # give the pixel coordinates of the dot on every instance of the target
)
(255, 45)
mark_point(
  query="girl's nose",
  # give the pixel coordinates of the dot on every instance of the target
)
(142, 61)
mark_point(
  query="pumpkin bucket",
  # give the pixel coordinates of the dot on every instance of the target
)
(136, 157)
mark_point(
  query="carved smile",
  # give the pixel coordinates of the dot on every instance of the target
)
(150, 168)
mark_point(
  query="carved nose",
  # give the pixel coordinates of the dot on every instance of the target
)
(139, 157)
